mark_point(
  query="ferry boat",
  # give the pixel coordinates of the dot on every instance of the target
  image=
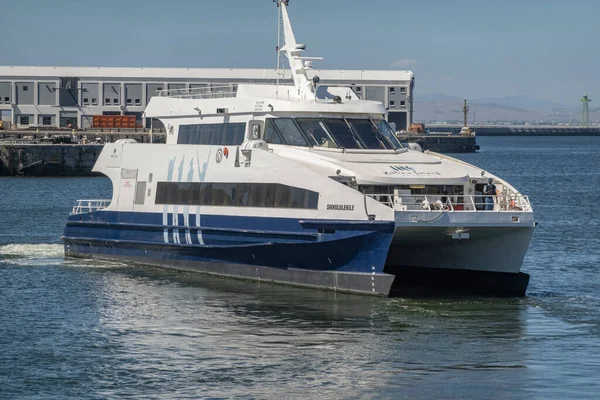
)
(301, 184)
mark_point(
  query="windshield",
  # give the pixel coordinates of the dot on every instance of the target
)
(369, 134)
(332, 133)
(342, 134)
(388, 133)
(290, 132)
(316, 133)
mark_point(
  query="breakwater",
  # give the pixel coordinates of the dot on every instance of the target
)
(520, 130)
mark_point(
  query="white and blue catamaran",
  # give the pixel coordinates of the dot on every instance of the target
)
(301, 184)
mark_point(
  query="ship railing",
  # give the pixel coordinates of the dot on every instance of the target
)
(454, 203)
(208, 92)
(88, 206)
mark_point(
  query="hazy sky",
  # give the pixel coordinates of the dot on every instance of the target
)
(544, 49)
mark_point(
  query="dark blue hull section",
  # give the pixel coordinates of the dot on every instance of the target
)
(338, 255)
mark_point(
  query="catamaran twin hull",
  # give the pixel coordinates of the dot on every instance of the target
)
(347, 256)
(303, 184)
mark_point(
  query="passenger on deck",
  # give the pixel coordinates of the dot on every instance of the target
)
(489, 190)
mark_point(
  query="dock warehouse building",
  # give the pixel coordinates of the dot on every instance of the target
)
(71, 96)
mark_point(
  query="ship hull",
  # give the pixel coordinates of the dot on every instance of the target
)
(344, 256)
(476, 260)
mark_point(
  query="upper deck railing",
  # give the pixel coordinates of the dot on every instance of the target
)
(87, 206)
(208, 92)
(454, 203)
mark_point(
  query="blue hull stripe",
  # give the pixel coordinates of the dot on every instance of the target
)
(117, 225)
(349, 246)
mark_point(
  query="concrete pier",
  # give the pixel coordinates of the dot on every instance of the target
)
(521, 130)
(443, 143)
(48, 159)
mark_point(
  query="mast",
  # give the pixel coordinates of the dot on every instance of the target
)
(298, 64)
(277, 50)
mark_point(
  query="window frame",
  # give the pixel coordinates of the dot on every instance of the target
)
(214, 134)
(236, 194)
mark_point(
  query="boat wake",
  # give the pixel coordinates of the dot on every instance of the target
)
(30, 251)
(38, 255)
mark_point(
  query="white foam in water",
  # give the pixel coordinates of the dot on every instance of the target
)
(44, 255)
(32, 251)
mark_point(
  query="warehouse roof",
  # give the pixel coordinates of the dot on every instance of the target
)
(194, 73)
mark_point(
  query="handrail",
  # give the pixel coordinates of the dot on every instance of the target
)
(88, 206)
(207, 92)
(453, 203)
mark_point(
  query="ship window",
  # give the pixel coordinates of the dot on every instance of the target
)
(392, 104)
(342, 134)
(265, 195)
(7, 99)
(388, 133)
(316, 133)
(271, 135)
(94, 101)
(213, 134)
(24, 120)
(369, 134)
(115, 101)
(107, 101)
(392, 90)
(290, 132)
(46, 120)
(85, 100)
(403, 90)
(25, 88)
(140, 190)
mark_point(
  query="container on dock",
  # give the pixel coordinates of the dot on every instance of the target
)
(114, 121)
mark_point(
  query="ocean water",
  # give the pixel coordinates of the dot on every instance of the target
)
(73, 329)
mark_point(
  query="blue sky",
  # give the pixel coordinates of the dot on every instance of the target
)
(543, 49)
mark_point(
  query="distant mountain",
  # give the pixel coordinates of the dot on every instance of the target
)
(523, 102)
(451, 111)
(442, 107)
(435, 98)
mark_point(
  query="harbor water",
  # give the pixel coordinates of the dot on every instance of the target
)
(75, 329)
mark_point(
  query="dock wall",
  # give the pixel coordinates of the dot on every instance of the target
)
(443, 144)
(48, 159)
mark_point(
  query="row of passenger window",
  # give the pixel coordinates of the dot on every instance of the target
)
(215, 134)
(331, 133)
(272, 195)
